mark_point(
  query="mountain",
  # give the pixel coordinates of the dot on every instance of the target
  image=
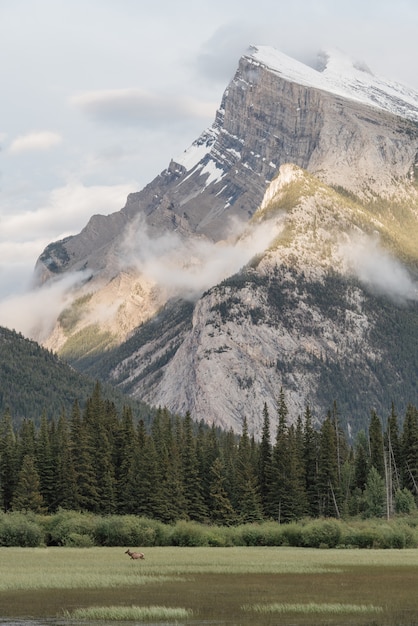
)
(34, 381)
(280, 250)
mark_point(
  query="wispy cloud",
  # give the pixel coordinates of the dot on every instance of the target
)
(34, 312)
(378, 269)
(188, 267)
(65, 211)
(138, 107)
(35, 141)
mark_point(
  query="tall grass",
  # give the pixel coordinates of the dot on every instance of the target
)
(129, 613)
(313, 607)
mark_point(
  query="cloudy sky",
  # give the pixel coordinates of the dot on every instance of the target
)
(98, 95)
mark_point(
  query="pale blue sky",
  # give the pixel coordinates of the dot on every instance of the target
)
(98, 95)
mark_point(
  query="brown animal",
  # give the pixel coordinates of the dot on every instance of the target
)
(135, 555)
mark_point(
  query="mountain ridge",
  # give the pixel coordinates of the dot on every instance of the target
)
(294, 192)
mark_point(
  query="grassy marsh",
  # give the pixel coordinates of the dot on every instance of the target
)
(224, 585)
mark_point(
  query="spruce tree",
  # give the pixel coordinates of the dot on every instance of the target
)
(310, 458)
(44, 465)
(192, 481)
(27, 496)
(410, 450)
(8, 461)
(247, 493)
(264, 463)
(328, 484)
(221, 510)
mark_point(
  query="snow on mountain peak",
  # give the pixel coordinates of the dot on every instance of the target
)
(336, 73)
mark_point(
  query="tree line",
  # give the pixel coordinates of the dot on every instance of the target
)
(100, 459)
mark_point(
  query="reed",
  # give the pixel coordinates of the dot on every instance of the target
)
(313, 607)
(129, 613)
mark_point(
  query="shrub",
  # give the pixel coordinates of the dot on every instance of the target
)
(321, 534)
(292, 534)
(404, 501)
(20, 529)
(189, 534)
(64, 525)
(128, 530)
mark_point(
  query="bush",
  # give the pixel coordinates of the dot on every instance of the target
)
(128, 530)
(321, 534)
(292, 535)
(20, 529)
(189, 534)
(62, 527)
(404, 501)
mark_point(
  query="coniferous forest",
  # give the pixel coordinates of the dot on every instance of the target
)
(101, 460)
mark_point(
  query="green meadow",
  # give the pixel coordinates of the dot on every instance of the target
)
(236, 585)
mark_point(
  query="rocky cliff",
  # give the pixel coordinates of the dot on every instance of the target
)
(280, 250)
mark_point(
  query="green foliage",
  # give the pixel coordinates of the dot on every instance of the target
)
(34, 381)
(404, 501)
(19, 529)
(322, 534)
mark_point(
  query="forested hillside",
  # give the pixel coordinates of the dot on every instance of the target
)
(100, 460)
(34, 381)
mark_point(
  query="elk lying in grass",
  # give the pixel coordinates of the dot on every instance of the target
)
(135, 555)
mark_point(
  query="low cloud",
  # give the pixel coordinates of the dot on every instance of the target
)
(189, 267)
(34, 142)
(34, 312)
(378, 269)
(136, 107)
(65, 211)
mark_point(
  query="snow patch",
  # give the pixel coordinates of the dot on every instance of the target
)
(339, 75)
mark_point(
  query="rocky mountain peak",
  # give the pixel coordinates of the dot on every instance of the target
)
(257, 258)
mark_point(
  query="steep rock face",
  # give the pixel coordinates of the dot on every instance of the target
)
(297, 317)
(325, 164)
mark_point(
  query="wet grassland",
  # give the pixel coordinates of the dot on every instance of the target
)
(235, 585)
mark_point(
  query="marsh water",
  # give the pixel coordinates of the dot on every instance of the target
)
(215, 600)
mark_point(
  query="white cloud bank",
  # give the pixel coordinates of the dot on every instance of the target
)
(35, 141)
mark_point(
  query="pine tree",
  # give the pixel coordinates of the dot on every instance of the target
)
(27, 496)
(264, 462)
(44, 464)
(66, 496)
(280, 503)
(87, 496)
(247, 494)
(310, 458)
(221, 510)
(8, 461)
(97, 416)
(125, 469)
(193, 492)
(410, 449)
(328, 486)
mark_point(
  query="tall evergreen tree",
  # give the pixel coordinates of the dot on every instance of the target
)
(221, 509)
(27, 496)
(65, 494)
(87, 495)
(247, 496)
(410, 450)
(264, 462)
(8, 461)
(310, 457)
(193, 492)
(328, 486)
(44, 464)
